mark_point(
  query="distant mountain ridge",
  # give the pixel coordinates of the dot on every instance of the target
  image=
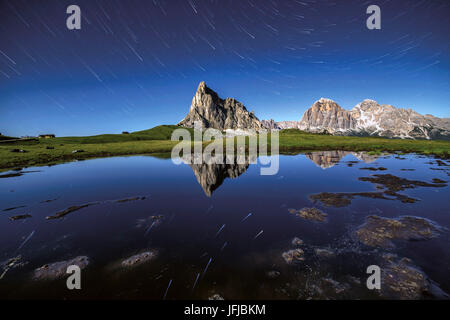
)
(367, 118)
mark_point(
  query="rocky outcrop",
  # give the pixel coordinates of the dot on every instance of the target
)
(402, 280)
(288, 125)
(312, 214)
(325, 115)
(213, 112)
(58, 270)
(139, 259)
(388, 121)
(380, 232)
(369, 118)
(270, 124)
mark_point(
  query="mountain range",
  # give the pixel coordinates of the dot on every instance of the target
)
(367, 118)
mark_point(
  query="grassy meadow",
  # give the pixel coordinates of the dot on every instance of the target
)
(157, 141)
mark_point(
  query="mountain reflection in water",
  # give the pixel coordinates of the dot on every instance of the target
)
(211, 176)
(137, 224)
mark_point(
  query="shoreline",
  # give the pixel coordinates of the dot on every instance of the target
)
(156, 141)
(165, 154)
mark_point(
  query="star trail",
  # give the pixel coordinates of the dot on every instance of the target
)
(136, 64)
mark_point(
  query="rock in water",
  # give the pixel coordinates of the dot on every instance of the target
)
(57, 270)
(313, 214)
(379, 231)
(402, 280)
(293, 256)
(214, 112)
(139, 259)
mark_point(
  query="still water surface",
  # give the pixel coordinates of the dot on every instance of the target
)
(214, 229)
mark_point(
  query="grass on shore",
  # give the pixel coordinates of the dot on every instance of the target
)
(294, 140)
(157, 140)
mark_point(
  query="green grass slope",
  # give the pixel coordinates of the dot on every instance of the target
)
(157, 140)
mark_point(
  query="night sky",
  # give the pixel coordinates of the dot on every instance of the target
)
(136, 64)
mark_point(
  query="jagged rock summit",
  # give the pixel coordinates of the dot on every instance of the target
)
(325, 114)
(223, 114)
(389, 121)
(369, 118)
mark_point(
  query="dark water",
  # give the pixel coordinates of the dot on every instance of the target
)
(195, 204)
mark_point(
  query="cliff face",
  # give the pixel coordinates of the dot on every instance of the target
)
(388, 121)
(369, 118)
(214, 112)
(270, 124)
(325, 114)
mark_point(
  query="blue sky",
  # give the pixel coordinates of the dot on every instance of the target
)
(136, 64)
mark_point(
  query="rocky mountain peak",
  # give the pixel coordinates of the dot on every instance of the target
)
(201, 86)
(214, 112)
(326, 115)
(389, 121)
(366, 105)
(325, 104)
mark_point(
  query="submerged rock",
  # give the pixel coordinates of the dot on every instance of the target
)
(388, 184)
(393, 183)
(402, 280)
(13, 208)
(65, 212)
(297, 242)
(335, 286)
(20, 217)
(333, 199)
(130, 199)
(139, 259)
(293, 256)
(310, 214)
(273, 274)
(373, 168)
(379, 232)
(324, 252)
(57, 270)
(11, 264)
